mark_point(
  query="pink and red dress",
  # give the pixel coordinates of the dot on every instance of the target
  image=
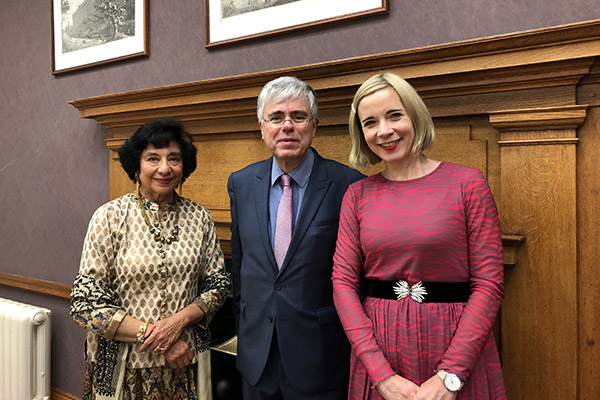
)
(442, 227)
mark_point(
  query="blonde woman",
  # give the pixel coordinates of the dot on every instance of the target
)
(424, 234)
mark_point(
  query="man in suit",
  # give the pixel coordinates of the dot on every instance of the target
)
(291, 344)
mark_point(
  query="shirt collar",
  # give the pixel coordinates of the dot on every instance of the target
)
(300, 174)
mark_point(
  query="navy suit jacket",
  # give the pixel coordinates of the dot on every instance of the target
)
(296, 302)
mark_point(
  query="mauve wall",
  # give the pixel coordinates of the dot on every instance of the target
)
(54, 166)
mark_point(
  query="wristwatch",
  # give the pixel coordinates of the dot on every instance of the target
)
(451, 381)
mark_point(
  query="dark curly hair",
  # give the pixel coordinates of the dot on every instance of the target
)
(158, 133)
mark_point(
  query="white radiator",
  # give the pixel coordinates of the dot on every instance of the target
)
(24, 351)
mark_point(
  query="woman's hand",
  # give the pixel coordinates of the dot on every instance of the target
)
(434, 389)
(161, 335)
(396, 387)
(179, 354)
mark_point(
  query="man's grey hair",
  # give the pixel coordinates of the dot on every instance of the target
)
(287, 88)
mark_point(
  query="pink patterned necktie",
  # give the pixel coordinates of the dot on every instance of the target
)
(283, 227)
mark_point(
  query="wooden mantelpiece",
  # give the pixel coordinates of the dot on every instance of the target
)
(523, 108)
(536, 59)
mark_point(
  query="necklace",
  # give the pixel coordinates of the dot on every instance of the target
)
(155, 230)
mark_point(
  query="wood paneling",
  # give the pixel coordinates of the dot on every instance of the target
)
(35, 285)
(539, 314)
(60, 395)
(523, 108)
(544, 58)
(588, 257)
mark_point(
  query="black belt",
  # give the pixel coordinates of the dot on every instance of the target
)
(423, 292)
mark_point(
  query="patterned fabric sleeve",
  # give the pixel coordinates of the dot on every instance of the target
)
(94, 304)
(348, 261)
(486, 275)
(215, 282)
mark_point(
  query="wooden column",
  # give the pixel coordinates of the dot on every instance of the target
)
(538, 186)
(588, 228)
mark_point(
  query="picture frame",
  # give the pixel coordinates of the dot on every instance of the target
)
(233, 21)
(88, 33)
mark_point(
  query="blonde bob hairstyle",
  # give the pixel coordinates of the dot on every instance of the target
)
(361, 155)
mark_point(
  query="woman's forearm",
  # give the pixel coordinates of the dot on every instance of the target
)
(128, 330)
(191, 314)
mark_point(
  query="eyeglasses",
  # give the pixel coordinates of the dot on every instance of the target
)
(296, 120)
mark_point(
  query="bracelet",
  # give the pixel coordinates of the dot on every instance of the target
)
(140, 335)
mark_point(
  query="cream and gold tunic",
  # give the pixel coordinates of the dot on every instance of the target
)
(124, 271)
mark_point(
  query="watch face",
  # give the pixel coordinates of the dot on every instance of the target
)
(452, 382)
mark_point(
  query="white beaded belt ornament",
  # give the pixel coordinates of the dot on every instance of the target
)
(416, 292)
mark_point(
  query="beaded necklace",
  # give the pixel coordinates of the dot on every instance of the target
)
(155, 230)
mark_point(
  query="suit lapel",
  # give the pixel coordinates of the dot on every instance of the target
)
(261, 202)
(318, 184)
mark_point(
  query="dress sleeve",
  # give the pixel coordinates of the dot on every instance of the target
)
(486, 276)
(347, 267)
(94, 304)
(215, 282)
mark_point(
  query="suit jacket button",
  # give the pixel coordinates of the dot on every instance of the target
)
(277, 286)
(269, 318)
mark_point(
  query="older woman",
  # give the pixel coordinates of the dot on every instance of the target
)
(151, 278)
(425, 236)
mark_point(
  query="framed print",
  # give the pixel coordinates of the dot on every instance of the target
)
(87, 33)
(231, 21)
